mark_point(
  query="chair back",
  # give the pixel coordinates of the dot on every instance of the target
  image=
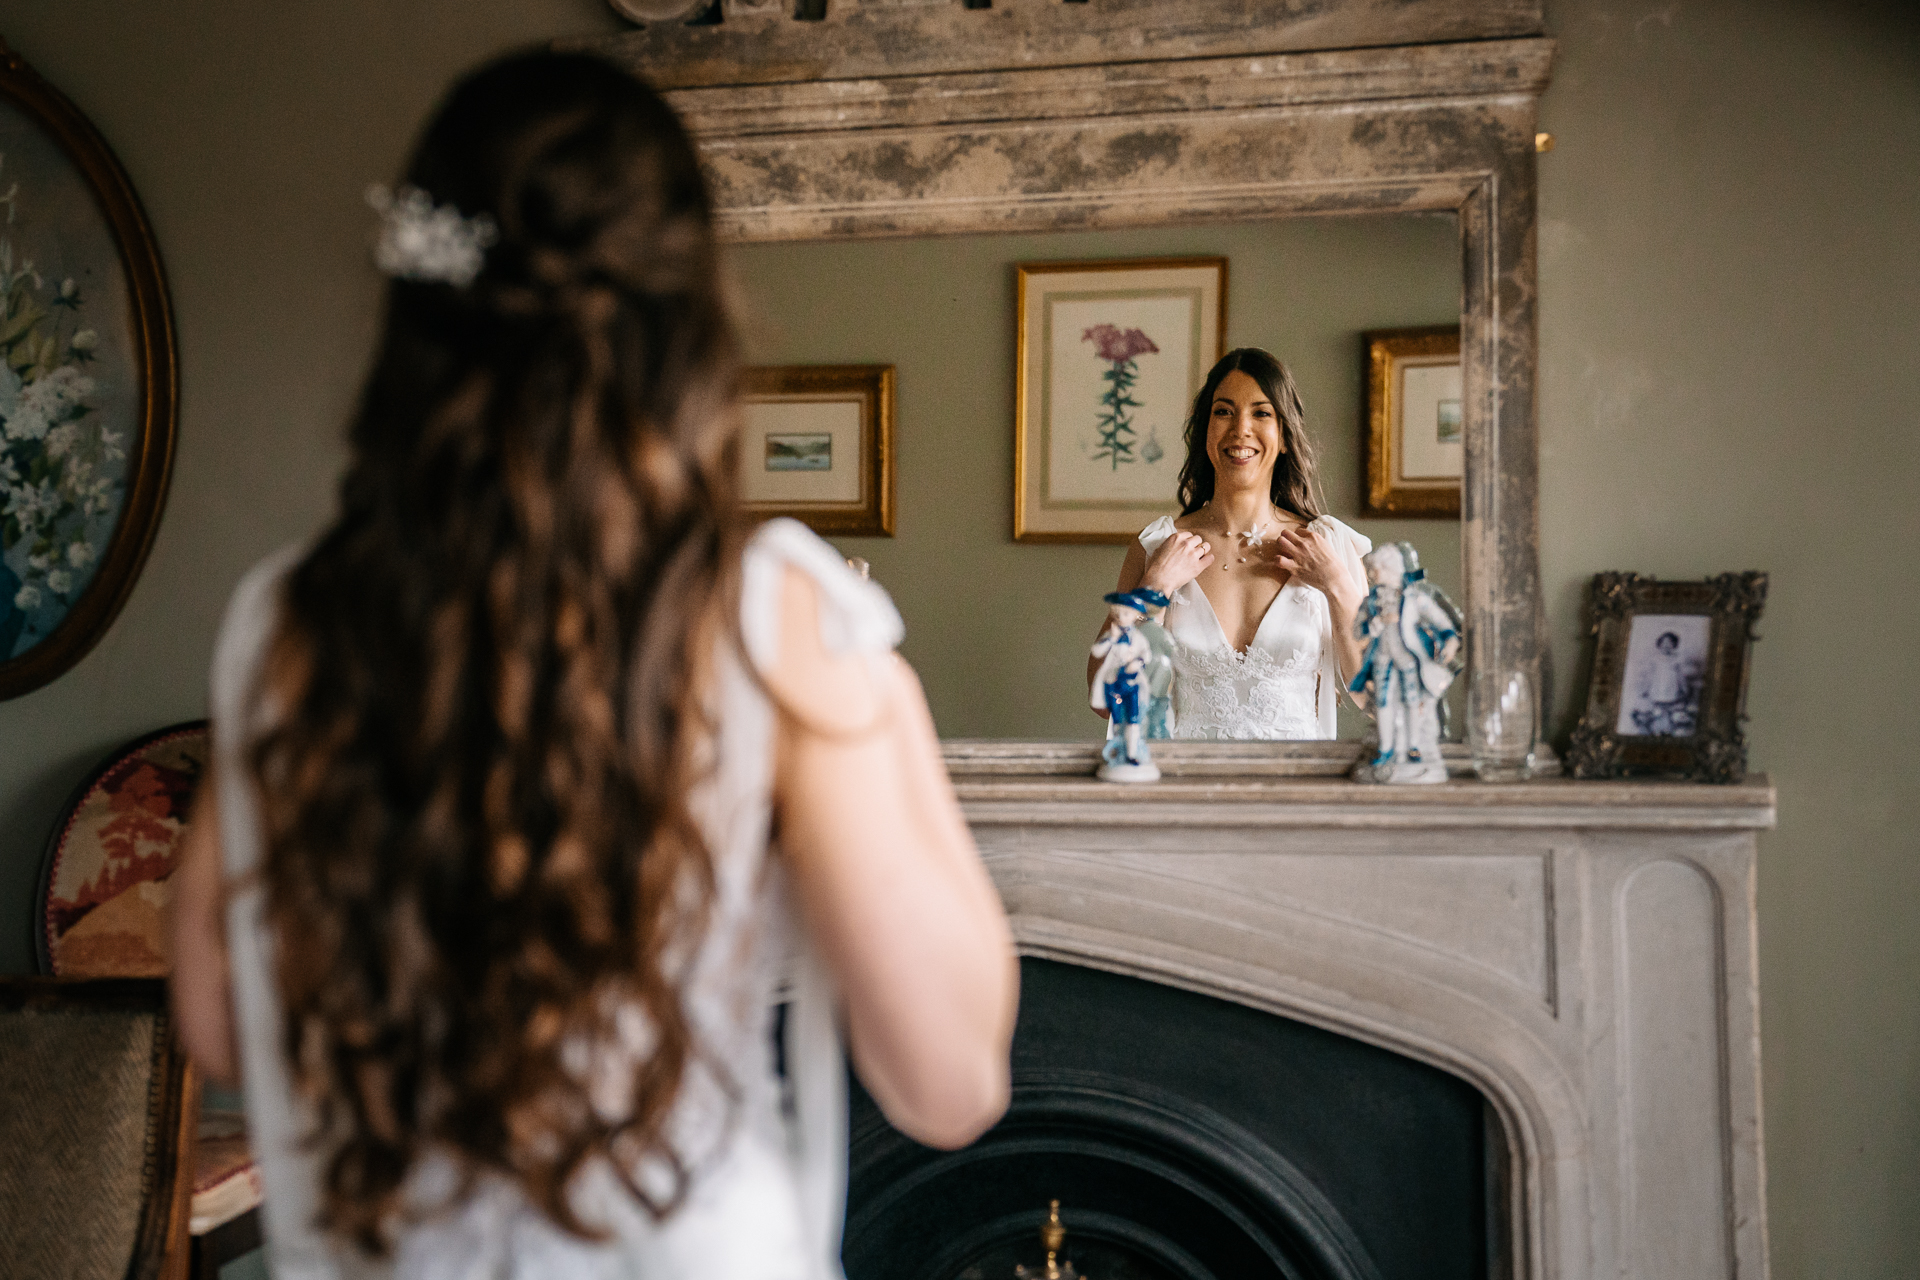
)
(96, 1112)
(104, 884)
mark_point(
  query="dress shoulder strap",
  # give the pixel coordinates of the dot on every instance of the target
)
(238, 651)
(1156, 533)
(856, 616)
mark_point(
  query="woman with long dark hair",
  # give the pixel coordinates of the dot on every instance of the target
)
(1263, 584)
(485, 863)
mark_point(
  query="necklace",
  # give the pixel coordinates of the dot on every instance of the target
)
(1250, 540)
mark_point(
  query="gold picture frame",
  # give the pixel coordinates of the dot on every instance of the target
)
(1097, 451)
(1412, 377)
(86, 334)
(816, 444)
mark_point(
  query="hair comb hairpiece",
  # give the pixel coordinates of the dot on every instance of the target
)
(420, 240)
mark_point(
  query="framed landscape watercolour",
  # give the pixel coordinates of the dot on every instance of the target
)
(1415, 452)
(818, 446)
(1668, 695)
(87, 383)
(1109, 357)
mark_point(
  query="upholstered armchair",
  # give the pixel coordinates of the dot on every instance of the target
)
(101, 914)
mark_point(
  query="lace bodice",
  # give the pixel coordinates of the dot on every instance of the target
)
(1285, 685)
(768, 1172)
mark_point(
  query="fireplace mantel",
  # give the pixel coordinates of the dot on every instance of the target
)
(1582, 952)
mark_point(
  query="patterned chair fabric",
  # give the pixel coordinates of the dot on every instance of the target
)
(92, 1130)
(105, 884)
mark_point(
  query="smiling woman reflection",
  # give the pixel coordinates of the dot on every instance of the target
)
(1263, 586)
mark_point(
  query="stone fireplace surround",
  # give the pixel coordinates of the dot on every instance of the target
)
(1582, 953)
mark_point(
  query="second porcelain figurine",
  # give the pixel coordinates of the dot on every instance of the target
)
(1413, 637)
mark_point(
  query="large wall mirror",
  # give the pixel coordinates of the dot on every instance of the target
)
(1365, 167)
(998, 629)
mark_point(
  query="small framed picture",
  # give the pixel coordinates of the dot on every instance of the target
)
(1668, 696)
(817, 445)
(1108, 358)
(1415, 448)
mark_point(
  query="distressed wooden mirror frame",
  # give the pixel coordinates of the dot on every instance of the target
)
(899, 119)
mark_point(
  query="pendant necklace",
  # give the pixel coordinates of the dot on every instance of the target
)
(1251, 540)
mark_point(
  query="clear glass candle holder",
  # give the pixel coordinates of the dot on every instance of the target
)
(1501, 725)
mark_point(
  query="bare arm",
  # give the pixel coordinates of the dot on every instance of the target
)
(202, 1009)
(891, 884)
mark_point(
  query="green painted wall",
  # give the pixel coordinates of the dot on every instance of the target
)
(997, 629)
(1730, 357)
(1730, 348)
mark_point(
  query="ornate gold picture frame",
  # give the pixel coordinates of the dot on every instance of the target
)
(1412, 427)
(1108, 357)
(1668, 694)
(88, 383)
(817, 445)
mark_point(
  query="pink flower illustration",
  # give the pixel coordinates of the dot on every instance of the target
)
(1114, 434)
(1119, 345)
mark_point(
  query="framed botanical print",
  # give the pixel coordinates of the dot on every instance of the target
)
(1108, 358)
(817, 445)
(87, 383)
(1415, 449)
(1668, 695)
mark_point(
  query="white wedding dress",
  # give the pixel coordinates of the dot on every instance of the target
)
(1286, 684)
(767, 1196)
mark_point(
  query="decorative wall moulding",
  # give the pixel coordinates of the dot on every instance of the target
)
(760, 43)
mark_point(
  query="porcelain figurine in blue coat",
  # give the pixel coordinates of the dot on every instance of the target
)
(1414, 649)
(1120, 685)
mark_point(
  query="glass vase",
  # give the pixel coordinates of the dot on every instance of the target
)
(1502, 725)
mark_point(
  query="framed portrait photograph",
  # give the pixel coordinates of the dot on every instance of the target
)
(87, 383)
(1411, 429)
(1668, 696)
(1109, 356)
(817, 445)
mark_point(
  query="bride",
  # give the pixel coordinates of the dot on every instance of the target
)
(1263, 586)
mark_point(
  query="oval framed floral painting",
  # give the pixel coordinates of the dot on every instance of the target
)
(87, 383)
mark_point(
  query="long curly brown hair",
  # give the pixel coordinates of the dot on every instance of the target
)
(484, 692)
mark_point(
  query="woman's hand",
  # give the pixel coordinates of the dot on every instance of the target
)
(1309, 557)
(1178, 562)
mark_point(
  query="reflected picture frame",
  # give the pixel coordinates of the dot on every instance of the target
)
(1668, 692)
(1413, 447)
(1108, 356)
(90, 375)
(817, 444)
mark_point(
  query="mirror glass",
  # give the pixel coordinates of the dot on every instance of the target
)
(999, 630)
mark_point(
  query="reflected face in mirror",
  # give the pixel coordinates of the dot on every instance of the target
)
(1243, 436)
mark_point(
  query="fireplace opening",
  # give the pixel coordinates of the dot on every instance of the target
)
(1186, 1138)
